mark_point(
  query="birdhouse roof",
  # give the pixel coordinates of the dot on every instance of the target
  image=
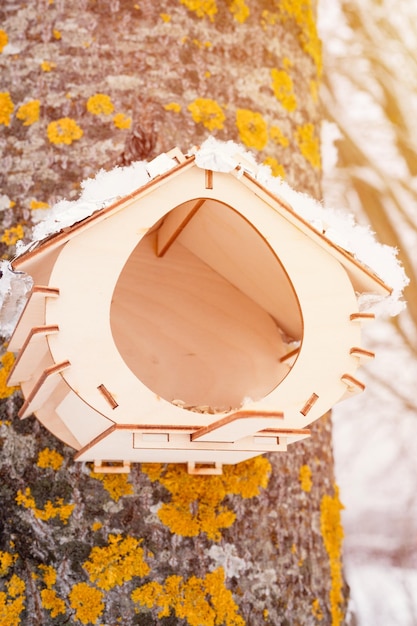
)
(330, 231)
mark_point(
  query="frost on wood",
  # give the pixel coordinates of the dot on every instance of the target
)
(97, 193)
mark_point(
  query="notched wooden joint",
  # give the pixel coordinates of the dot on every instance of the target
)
(309, 404)
(108, 396)
(204, 469)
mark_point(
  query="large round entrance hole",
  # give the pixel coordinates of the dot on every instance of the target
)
(203, 312)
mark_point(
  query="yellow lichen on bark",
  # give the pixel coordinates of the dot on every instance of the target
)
(50, 510)
(12, 602)
(202, 8)
(201, 601)
(100, 104)
(29, 112)
(304, 476)
(309, 144)
(122, 121)
(51, 602)
(207, 112)
(276, 168)
(332, 533)
(316, 609)
(4, 39)
(252, 127)
(6, 108)
(302, 12)
(50, 459)
(7, 362)
(239, 10)
(116, 485)
(118, 562)
(6, 561)
(87, 602)
(64, 131)
(278, 136)
(196, 506)
(12, 235)
(283, 88)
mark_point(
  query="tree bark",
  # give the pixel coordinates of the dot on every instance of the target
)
(262, 543)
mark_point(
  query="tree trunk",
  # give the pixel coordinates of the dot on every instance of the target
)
(262, 543)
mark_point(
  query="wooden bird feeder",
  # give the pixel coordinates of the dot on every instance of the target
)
(198, 320)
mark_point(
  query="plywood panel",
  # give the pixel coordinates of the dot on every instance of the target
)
(190, 335)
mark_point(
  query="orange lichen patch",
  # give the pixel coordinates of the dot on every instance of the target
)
(6, 561)
(29, 112)
(64, 131)
(36, 204)
(207, 112)
(117, 485)
(283, 89)
(4, 39)
(96, 526)
(122, 121)
(173, 106)
(304, 476)
(49, 575)
(201, 601)
(47, 66)
(278, 136)
(165, 17)
(12, 603)
(51, 602)
(56, 34)
(316, 609)
(12, 235)
(87, 603)
(50, 459)
(196, 506)
(6, 108)
(100, 104)
(202, 8)
(276, 168)
(239, 10)
(7, 362)
(253, 130)
(332, 533)
(116, 563)
(309, 144)
(50, 511)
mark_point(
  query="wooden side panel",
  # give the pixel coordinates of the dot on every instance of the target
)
(81, 419)
(53, 422)
(123, 444)
(33, 315)
(44, 389)
(34, 352)
(228, 243)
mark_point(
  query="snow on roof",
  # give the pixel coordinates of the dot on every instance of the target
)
(105, 188)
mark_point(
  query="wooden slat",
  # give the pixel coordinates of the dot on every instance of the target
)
(32, 353)
(235, 426)
(174, 224)
(43, 389)
(33, 315)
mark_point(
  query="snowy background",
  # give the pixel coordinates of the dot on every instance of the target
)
(370, 97)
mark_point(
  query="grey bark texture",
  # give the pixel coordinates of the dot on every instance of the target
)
(260, 545)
